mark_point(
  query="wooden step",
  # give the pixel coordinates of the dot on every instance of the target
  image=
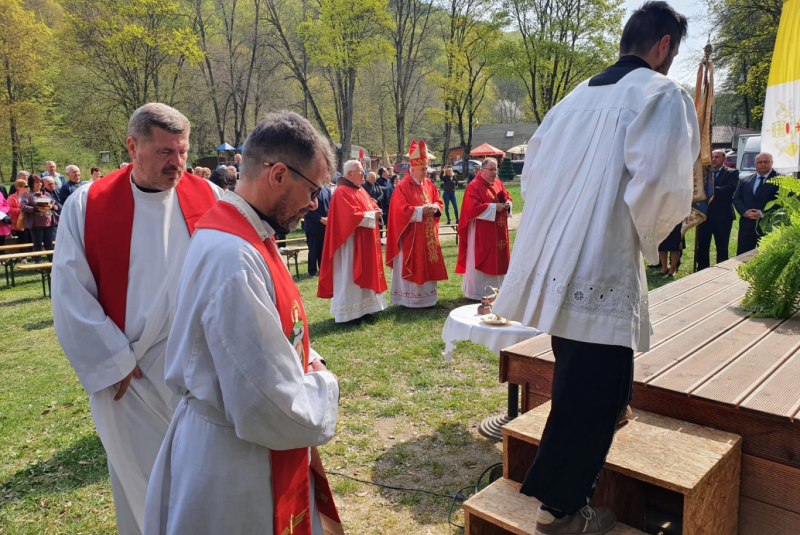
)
(692, 469)
(500, 509)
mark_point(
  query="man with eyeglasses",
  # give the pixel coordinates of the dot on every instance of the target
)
(351, 272)
(750, 198)
(255, 400)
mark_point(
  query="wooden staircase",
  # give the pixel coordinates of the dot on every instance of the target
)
(662, 476)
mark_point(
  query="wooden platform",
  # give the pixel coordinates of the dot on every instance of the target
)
(654, 462)
(711, 366)
(500, 509)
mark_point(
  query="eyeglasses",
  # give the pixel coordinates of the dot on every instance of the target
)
(317, 189)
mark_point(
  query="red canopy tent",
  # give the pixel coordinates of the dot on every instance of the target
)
(487, 150)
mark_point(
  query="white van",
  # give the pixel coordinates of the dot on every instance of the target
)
(749, 148)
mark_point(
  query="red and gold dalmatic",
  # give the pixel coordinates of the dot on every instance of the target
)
(290, 468)
(422, 255)
(492, 250)
(346, 212)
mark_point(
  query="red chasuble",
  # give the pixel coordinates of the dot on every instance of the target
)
(108, 229)
(290, 477)
(346, 212)
(422, 254)
(492, 250)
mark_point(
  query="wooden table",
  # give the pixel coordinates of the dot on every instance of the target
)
(710, 365)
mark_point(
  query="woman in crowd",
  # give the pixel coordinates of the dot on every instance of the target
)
(14, 204)
(5, 220)
(202, 172)
(39, 208)
(672, 247)
(95, 174)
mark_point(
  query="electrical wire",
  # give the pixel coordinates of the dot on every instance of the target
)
(456, 497)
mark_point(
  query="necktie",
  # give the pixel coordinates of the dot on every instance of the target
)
(759, 181)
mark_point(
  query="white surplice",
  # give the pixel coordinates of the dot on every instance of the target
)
(351, 301)
(241, 392)
(407, 293)
(474, 281)
(607, 176)
(133, 428)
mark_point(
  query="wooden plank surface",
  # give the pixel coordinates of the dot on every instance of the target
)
(780, 392)
(692, 372)
(17, 256)
(757, 518)
(502, 505)
(655, 449)
(689, 298)
(652, 363)
(748, 370)
(771, 483)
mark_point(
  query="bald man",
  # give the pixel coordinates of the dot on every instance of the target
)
(752, 195)
(720, 213)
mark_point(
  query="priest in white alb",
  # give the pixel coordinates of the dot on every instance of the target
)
(607, 176)
(351, 271)
(121, 246)
(253, 399)
(484, 250)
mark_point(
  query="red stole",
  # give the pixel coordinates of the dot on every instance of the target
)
(109, 226)
(492, 250)
(422, 254)
(290, 478)
(345, 214)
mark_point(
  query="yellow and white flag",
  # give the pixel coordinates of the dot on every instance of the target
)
(780, 133)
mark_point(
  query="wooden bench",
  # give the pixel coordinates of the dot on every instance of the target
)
(15, 247)
(292, 253)
(44, 269)
(661, 475)
(11, 260)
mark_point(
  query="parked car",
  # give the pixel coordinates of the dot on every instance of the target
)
(473, 167)
(730, 160)
(401, 168)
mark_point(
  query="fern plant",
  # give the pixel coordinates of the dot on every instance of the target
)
(774, 273)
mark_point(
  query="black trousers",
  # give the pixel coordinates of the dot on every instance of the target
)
(42, 236)
(315, 241)
(592, 386)
(721, 232)
(748, 238)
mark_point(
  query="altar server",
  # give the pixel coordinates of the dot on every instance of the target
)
(253, 397)
(120, 250)
(607, 176)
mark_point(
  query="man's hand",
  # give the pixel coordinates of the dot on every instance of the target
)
(501, 207)
(429, 210)
(318, 366)
(753, 214)
(323, 220)
(125, 383)
(378, 213)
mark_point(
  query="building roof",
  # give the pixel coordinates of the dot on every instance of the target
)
(726, 135)
(502, 136)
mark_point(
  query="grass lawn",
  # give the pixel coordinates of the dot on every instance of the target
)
(406, 417)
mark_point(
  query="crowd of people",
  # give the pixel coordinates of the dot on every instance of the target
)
(173, 305)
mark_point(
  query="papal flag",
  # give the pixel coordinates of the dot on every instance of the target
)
(780, 133)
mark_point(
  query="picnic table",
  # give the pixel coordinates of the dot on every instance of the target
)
(11, 260)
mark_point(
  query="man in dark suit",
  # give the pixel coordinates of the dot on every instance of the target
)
(720, 213)
(314, 224)
(750, 198)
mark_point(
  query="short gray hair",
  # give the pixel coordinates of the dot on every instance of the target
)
(283, 137)
(23, 174)
(487, 160)
(49, 178)
(70, 168)
(48, 162)
(159, 115)
(348, 166)
(718, 150)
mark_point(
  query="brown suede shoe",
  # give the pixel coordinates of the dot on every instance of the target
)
(625, 417)
(587, 521)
